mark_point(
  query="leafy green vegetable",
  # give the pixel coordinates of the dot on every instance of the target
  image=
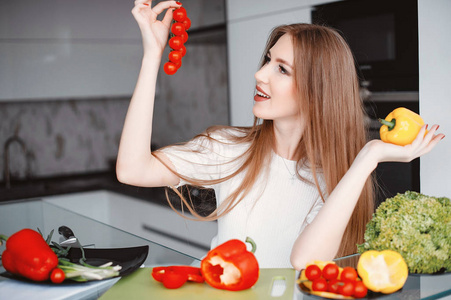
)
(415, 225)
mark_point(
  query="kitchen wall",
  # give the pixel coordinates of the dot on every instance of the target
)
(62, 137)
(79, 132)
(435, 90)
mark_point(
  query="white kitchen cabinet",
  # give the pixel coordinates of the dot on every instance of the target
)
(88, 20)
(151, 221)
(38, 70)
(56, 19)
(55, 49)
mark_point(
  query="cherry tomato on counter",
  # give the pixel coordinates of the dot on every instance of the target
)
(330, 271)
(57, 275)
(348, 274)
(332, 286)
(319, 285)
(347, 289)
(360, 290)
(312, 272)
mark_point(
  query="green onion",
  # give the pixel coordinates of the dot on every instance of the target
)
(87, 272)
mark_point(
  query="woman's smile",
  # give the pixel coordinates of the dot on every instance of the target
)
(260, 95)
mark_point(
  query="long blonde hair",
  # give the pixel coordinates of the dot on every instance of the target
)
(332, 110)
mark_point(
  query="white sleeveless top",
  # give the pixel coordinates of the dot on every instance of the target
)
(273, 214)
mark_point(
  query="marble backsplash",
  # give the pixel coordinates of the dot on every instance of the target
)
(74, 136)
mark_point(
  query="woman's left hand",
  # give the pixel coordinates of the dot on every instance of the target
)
(423, 143)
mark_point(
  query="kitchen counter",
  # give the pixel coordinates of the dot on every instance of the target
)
(46, 215)
(57, 185)
(34, 188)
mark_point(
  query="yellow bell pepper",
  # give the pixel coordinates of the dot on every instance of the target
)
(400, 127)
(382, 271)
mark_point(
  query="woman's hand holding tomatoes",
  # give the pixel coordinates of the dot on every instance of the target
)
(154, 32)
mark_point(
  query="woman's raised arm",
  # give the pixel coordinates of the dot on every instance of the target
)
(321, 239)
(135, 163)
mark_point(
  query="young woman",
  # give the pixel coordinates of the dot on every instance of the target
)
(299, 181)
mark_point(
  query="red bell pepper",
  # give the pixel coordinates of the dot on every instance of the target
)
(174, 277)
(28, 254)
(230, 266)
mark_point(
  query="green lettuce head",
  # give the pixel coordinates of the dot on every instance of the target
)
(415, 225)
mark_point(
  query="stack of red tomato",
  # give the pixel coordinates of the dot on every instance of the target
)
(332, 279)
(179, 36)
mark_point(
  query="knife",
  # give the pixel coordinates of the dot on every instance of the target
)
(68, 237)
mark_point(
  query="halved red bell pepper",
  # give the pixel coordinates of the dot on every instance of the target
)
(230, 266)
(174, 277)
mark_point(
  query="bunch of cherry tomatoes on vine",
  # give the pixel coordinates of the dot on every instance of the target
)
(177, 39)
